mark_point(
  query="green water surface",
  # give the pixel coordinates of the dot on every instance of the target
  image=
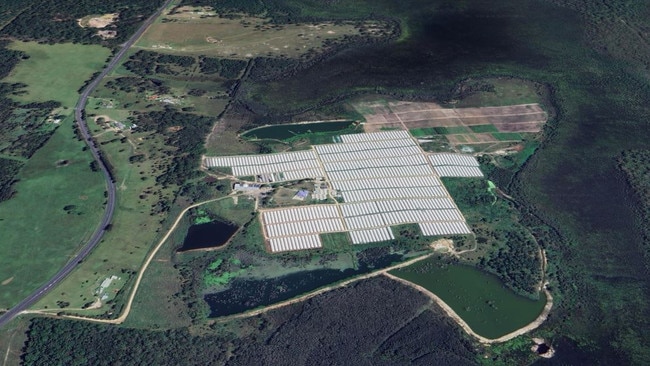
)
(479, 298)
(286, 131)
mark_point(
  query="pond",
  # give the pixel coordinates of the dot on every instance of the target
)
(247, 294)
(285, 131)
(479, 298)
(207, 235)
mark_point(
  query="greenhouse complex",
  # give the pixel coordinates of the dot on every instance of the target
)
(377, 180)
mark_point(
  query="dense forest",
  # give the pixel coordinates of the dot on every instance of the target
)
(148, 63)
(373, 322)
(229, 69)
(8, 171)
(636, 166)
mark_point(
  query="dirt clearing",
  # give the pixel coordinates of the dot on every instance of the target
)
(98, 21)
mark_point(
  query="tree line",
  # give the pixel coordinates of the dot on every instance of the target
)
(636, 166)
(23, 124)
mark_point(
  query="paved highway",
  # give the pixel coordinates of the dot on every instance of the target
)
(110, 185)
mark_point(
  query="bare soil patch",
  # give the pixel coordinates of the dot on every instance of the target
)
(107, 34)
(106, 119)
(7, 281)
(520, 126)
(445, 245)
(98, 21)
(174, 128)
(455, 139)
(400, 107)
(429, 114)
(500, 111)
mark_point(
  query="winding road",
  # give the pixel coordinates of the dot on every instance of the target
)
(110, 185)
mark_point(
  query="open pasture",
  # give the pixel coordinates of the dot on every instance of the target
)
(135, 226)
(57, 187)
(200, 31)
(57, 206)
(55, 72)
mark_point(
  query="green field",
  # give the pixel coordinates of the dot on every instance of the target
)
(483, 128)
(288, 131)
(451, 130)
(420, 132)
(38, 235)
(57, 188)
(135, 229)
(507, 136)
(55, 72)
(159, 286)
(336, 242)
(490, 309)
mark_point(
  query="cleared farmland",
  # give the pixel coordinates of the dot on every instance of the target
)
(199, 30)
(495, 127)
(383, 178)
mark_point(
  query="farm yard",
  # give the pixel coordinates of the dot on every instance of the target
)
(193, 30)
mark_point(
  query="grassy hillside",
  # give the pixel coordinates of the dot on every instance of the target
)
(58, 197)
(55, 72)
